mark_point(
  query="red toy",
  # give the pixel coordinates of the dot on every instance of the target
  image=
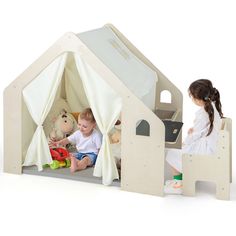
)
(59, 154)
(60, 158)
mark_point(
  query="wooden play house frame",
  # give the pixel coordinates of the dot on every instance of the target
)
(141, 170)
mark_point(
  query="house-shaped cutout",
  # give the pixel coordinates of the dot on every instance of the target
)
(127, 72)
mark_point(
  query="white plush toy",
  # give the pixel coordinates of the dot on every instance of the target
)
(64, 125)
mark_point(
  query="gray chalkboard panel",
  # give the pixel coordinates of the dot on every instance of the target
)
(172, 130)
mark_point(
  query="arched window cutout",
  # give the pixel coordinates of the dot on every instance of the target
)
(142, 128)
(166, 96)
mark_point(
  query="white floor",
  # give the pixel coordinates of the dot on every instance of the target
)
(39, 205)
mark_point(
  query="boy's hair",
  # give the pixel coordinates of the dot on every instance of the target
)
(87, 114)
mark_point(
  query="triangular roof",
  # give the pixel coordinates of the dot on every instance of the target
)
(135, 74)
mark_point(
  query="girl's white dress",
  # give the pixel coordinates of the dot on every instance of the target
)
(197, 142)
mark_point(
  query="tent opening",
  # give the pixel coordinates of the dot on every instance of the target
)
(71, 84)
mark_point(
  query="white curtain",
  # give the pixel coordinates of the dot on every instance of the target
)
(39, 96)
(75, 95)
(106, 105)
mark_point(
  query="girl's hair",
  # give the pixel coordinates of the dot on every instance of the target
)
(203, 89)
(87, 114)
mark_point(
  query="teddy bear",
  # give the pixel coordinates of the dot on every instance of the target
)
(63, 126)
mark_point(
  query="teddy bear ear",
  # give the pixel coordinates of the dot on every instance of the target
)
(63, 111)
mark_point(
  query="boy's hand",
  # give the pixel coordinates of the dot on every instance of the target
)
(52, 143)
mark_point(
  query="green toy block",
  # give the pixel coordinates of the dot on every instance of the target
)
(68, 163)
(55, 165)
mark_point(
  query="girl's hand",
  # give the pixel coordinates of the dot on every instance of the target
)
(190, 131)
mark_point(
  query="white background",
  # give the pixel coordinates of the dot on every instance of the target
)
(186, 40)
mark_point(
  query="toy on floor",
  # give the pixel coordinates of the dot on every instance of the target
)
(60, 157)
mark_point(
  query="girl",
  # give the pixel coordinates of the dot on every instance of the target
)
(202, 137)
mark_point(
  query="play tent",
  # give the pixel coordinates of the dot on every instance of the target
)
(103, 70)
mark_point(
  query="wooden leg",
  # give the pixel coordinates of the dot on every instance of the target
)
(223, 191)
(189, 187)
